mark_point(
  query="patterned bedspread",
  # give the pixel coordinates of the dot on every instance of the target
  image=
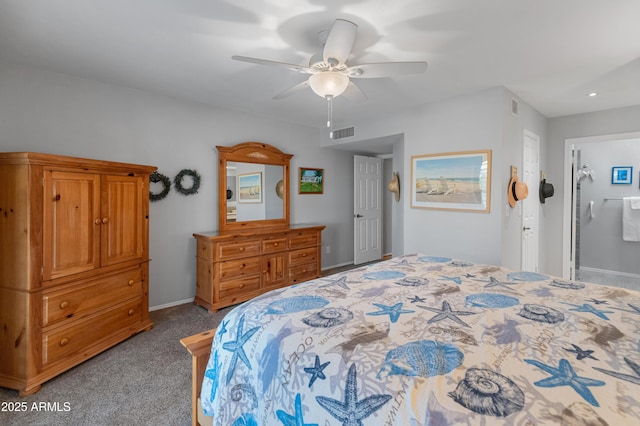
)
(423, 340)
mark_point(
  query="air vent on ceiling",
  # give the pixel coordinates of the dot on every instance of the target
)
(514, 107)
(343, 133)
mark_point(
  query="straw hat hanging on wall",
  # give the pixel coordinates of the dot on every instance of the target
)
(516, 190)
(394, 186)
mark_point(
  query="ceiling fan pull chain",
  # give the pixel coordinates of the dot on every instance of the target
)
(330, 113)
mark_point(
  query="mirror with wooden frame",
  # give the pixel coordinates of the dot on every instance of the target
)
(253, 186)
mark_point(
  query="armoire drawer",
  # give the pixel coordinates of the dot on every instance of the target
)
(304, 240)
(238, 249)
(77, 335)
(239, 268)
(80, 300)
(303, 256)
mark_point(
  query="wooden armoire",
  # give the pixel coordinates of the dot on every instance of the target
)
(74, 262)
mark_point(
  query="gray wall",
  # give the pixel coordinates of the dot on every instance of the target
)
(621, 120)
(53, 113)
(481, 120)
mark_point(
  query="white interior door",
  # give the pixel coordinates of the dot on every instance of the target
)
(367, 215)
(530, 175)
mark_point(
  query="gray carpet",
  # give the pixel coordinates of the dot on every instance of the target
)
(143, 380)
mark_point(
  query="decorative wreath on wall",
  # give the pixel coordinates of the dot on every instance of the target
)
(156, 177)
(177, 182)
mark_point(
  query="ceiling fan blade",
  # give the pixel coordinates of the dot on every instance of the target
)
(339, 41)
(291, 90)
(354, 93)
(386, 69)
(291, 67)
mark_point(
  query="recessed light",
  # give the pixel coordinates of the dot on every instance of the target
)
(592, 94)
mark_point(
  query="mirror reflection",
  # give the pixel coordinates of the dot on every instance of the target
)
(254, 192)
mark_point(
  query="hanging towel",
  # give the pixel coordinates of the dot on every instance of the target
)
(631, 218)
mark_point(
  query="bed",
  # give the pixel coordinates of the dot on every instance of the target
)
(424, 340)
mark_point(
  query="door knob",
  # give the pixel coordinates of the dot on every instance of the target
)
(357, 216)
(525, 228)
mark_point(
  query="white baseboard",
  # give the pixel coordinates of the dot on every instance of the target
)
(605, 271)
(170, 305)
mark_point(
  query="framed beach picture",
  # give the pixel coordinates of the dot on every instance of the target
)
(621, 175)
(250, 188)
(310, 180)
(452, 181)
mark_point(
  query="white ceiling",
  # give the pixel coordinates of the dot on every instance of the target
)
(552, 53)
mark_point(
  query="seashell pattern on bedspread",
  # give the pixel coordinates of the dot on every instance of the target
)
(426, 340)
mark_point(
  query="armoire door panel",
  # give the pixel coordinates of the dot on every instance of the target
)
(122, 219)
(70, 231)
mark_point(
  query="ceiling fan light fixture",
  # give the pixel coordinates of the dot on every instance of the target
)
(328, 83)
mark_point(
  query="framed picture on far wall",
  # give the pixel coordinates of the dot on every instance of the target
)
(621, 175)
(452, 181)
(310, 180)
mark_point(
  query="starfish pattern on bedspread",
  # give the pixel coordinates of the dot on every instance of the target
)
(565, 375)
(393, 311)
(580, 353)
(493, 282)
(417, 299)
(352, 411)
(222, 329)
(316, 371)
(295, 419)
(340, 282)
(236, 347)
(446, 313)
(589, 309)
(628, 377)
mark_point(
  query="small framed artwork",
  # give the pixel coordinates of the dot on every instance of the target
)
(250, 188)
(452, 181)
(621, 175)
(310, 180)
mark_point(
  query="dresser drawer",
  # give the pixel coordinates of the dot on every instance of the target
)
(78, 335)
(274, 245)
(304, 240)
(238, 249)
(303, 256)
(239, 268)
(303, 273)
(234, 288)
(81, 300)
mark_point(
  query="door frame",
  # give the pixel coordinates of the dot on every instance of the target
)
(568, 216)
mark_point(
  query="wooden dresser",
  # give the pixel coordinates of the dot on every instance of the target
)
(235, 266)
(74, 259)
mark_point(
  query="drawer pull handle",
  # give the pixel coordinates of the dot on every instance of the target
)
(64, 305)
(97, 221)
(131, 282)
(304, 254)
(105, 220)
(241, 249)
(275, 244)
(64, 342)
(131, 312)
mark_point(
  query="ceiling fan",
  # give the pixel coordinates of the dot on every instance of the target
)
(330, 76)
